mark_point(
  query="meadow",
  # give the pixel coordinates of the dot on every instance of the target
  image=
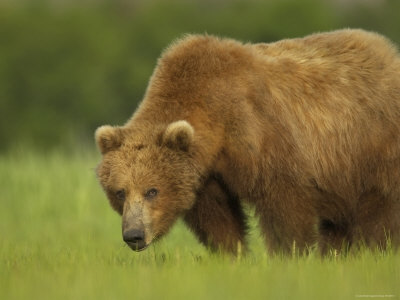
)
(61, 240)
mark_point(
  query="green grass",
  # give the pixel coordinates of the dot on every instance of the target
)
(60, 240)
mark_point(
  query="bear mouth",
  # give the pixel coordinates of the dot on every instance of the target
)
(138, 246)
(141, 245)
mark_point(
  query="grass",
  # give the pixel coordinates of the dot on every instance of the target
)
(61, 240)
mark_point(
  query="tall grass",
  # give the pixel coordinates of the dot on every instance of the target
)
(60, 240)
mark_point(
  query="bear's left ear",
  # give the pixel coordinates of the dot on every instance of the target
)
(178, 135)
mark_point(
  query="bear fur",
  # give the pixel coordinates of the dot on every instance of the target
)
(305, 130)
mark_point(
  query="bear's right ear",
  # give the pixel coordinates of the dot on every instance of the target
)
(108, 138)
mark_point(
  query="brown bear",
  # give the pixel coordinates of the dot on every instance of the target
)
(305, 130)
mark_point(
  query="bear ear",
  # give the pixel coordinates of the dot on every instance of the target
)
(178, 135)
(108, 138)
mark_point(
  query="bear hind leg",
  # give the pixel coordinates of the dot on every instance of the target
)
(378, 220)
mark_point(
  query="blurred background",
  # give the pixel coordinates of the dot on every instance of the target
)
(68, 66)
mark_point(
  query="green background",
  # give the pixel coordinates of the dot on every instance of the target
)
(67, 67)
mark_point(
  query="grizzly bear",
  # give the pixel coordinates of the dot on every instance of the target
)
(306, 130)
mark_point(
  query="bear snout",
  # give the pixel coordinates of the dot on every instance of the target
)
(135, 238)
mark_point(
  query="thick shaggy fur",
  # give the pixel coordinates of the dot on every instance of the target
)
(307, 130)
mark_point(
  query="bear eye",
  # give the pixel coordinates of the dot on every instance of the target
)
(120, 194)
(151, 193)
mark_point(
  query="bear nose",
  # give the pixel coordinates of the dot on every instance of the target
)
(134, 236)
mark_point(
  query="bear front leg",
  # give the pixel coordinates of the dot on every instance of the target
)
(288, 219)
(217, 219)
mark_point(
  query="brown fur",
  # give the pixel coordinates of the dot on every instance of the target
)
(307, 130)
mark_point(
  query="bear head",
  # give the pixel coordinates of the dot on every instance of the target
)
(150, 180)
